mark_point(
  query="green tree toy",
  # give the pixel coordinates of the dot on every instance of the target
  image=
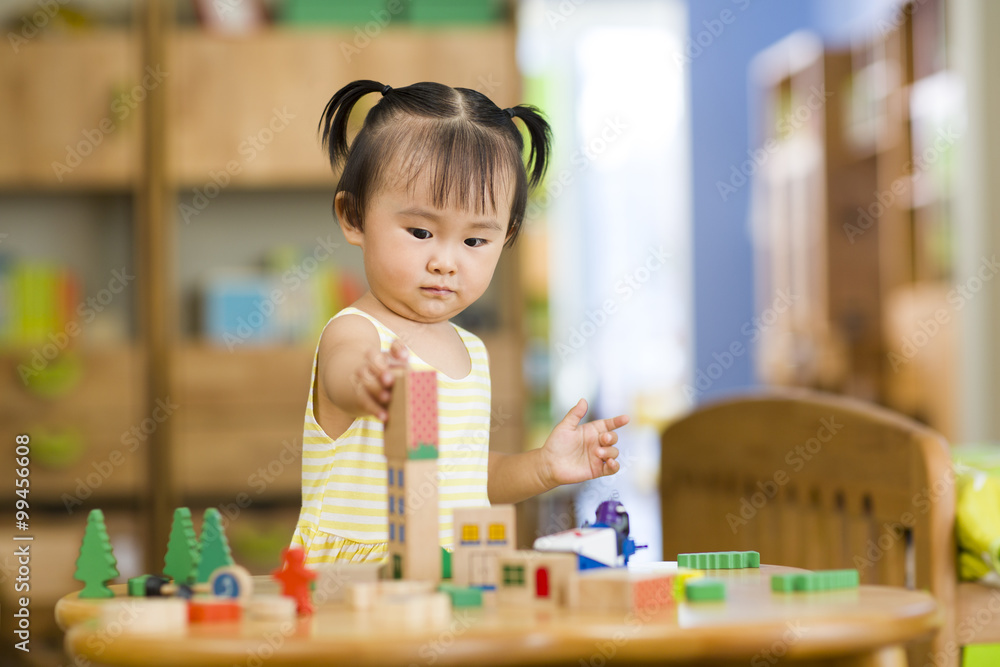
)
(96, 565)
(181, 561)
(215, 551)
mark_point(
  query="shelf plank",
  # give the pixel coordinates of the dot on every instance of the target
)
(244, 112)
(72, 110)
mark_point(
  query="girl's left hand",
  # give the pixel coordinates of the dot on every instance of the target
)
(576, 452)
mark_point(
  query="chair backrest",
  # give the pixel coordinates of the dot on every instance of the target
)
(815, 481)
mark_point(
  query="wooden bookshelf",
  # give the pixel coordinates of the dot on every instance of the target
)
(854, 219)
(203, 96)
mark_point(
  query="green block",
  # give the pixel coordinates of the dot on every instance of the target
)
(462, 596)
(344, 12)
(719, 560)
(445, 563)
(828, 580)
(814, 582)
(704, 590)
(981, 655)
(783, 583)
(137, 586)
(454, 11)
(423, 452)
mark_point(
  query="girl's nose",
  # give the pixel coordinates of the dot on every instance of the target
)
(441, 262)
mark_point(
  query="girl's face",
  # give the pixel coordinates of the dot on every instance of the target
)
(425, 263)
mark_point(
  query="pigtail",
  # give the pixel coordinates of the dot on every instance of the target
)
(333, 122)
(541, 140)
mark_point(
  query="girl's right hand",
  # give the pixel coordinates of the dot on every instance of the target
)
(373, 380)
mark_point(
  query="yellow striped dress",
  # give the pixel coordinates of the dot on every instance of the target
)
(344, 513)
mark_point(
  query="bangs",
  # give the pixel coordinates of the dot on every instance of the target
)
(467, 167)
(454, 141)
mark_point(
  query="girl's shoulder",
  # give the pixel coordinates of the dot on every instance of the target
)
(354, 328)
(473, 344)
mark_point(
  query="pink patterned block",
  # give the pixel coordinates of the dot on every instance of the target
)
(652, 594)
(423, 409)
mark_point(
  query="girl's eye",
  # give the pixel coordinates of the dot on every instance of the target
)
(475, 243)
(419, 233)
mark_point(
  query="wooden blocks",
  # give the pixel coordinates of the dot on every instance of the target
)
(147, 616)
(411, 446)
(413, 605)
(414, 612)
(231, 581)
(414, 523)
(681, 577)
(295, 578)
(214, 610)
(481, 534)
(364, 596)
(181, 560)
(824, 580)
(333, 579)
(533, 577)
(619, 591)
(462, 596)
(213, 547)
(271, 608)
(719, 560)
(96, 564)
(411, 430)
(704, 590)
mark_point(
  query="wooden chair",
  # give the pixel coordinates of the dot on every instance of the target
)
(817, 481)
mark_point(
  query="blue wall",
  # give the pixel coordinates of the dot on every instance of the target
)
(724, 36)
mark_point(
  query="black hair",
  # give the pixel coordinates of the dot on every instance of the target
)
(460, 134)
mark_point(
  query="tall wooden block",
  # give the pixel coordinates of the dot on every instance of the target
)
(414, 551)
(411, 430)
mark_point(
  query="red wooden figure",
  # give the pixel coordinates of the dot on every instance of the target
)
(295, 578)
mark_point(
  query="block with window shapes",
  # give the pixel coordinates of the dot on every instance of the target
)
(411, 448)
(414, 523)
(481, 534)
(537, 578)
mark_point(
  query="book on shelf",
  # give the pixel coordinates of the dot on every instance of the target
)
(39, 301)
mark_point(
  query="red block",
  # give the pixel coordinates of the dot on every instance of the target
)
(214, 611)
(653, 594)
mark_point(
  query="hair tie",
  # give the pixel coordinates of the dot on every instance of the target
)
(385, 89)
(510, 112)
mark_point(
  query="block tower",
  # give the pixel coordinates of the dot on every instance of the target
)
(411, 450)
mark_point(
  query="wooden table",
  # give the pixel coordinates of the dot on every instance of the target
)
(861, 627)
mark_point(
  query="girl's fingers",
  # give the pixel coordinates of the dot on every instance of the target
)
(397, 352)
(615, 422)
(374, 387)
(575, 414)
(379, 366)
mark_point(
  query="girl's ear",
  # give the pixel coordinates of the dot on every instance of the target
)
(352, 231)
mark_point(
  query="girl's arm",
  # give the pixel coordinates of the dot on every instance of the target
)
(573, 452)
(354, 375)
(515, 477)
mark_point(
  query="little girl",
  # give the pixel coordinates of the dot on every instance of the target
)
(433, 187)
